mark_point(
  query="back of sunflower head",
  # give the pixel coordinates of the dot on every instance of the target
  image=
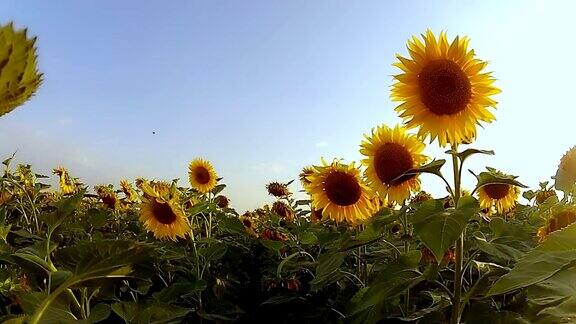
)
(19, 76)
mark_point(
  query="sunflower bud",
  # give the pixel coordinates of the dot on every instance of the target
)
(566, 174)
(19, 77)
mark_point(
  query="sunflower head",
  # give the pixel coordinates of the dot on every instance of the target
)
(67, 184)
(25, 174)
(128, 191)
(249, 223)
(281, 209)
(202, 175)
(278, 189)
(391, 152)
(108, 196)
(421, 197)
(443, 89)
(566, 174)
(543, 195)
(303, 176)
(19, 77)
(338, 190)
(315, 216)
(502, 196)
(558, 218)
(164, 218)
(222, 201)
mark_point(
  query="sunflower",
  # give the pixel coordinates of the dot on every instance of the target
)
(67, 184)
(162, 214)
(222, 201)
(503, 196)
(559, 218)
(202, 175)
(306, 171)
(278, 189)
(249, 223)
(128, 191)
(19, 77)
(283, 210)
(566, 174)
(340, 193)
(108, 196)
(443, 89)
(390, 153)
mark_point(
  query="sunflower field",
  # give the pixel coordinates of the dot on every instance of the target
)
(369, 245)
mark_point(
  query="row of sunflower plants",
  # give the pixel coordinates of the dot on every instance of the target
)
(366, 246)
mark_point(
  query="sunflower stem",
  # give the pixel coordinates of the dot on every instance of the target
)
(456, 302)
(406, 250)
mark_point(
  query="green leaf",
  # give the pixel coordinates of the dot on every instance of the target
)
(132, 312)
(394, 279)
(502, 251)
(327, 270)
(555, 253)
(231, 225)
(439, 228)
(468, 152)
(308, 238)
(494, 177)
(218, 189)
(180, 289)
(433, 167)
(64, 208)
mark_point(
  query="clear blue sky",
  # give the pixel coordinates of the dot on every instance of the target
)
(262, 88)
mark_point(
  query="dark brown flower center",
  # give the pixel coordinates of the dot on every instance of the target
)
(202, 175)
(342, 188)
(444, 87)
(163, 213)
(391, 161)
(247, 223)
(497, 190)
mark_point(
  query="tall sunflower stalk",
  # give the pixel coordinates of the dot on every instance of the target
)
(444, 92)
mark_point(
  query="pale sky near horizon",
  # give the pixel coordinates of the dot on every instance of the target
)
(263, 88)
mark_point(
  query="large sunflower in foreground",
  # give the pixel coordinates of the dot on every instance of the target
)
(503, 196)
(202, 175)
(162, 214)
(19, 77)
(338, 190)
(443, 89)
(390, 153)
(566, 174)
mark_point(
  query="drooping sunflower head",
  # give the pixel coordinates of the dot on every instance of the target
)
(278, 189)
(283, 210)
(338, 190)
(443, 89)
(67, 184)
(108, 196)
(558, 218)
(19, 77)
(391, 152)
(222, 201)
(566, 174)
(502, 196)
(128, 191)
(249, 223)
(164, 218)
(543, 195)
(202, 175)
